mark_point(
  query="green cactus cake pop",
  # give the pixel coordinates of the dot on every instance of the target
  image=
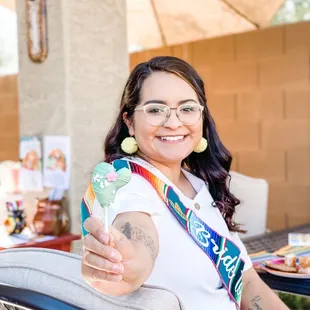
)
(105, 183)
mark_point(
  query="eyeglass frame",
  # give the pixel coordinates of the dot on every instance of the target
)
(143, 108)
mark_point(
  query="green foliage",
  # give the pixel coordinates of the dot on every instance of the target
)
(295, 302)
(292, 11)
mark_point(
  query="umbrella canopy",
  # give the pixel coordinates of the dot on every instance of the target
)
(10, 4)
(156, 23)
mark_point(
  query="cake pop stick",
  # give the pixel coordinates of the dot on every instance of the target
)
(105, 183)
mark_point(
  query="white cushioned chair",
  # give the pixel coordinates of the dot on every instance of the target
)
(37, 278)
(252, 211)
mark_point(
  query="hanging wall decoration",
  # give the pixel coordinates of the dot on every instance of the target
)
(36, 30)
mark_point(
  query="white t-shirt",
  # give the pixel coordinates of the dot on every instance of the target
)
(181, 266)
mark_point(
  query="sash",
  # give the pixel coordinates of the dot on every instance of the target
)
(223, 253)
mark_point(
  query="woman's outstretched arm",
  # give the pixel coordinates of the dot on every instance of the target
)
(119, 262)
(257, 295)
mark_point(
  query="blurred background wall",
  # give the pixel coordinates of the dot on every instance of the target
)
(258, 89)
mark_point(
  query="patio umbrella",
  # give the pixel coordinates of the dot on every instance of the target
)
(157, 23)
(10, 4)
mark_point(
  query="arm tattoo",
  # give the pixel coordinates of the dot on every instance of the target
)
(136, 234)
(255, 304)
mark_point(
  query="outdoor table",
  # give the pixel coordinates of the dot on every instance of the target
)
(271, 242)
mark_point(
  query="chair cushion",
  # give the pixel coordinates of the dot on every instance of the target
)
(253, 195)
(57, 274)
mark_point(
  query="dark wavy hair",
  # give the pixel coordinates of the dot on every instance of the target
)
(212, 165)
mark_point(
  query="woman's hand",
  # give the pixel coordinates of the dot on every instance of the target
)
(111, 263)
(104, 256)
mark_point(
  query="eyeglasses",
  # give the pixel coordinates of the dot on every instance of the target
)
(157, 114)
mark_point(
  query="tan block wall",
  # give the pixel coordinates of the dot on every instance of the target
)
(259, 95)
(9, 127)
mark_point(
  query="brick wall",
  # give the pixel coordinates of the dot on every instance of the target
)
(9, 127)
(259, 94)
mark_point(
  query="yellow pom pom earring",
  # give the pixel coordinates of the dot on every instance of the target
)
(202, 145)
(129, 145)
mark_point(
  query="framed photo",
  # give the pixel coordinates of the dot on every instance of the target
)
(56, 162)
(30, 154)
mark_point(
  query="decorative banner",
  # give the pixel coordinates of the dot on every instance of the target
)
(56, 161)
(36, 29)
(30, 174)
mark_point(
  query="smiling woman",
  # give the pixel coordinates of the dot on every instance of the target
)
(165, 135)
(171, 117)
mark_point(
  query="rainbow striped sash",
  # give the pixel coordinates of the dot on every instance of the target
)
(224, 254)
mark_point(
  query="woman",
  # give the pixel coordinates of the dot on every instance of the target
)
(165, 129)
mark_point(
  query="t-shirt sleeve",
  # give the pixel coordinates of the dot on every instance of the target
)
(244, 252)
(137, 196)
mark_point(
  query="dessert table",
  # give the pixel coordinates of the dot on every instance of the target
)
(27, 239)
(275, 244)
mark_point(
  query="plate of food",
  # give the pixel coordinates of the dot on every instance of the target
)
(289, 266)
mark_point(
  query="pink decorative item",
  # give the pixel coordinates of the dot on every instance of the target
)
(111, 176)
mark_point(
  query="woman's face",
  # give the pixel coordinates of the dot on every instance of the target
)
(172, 141)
